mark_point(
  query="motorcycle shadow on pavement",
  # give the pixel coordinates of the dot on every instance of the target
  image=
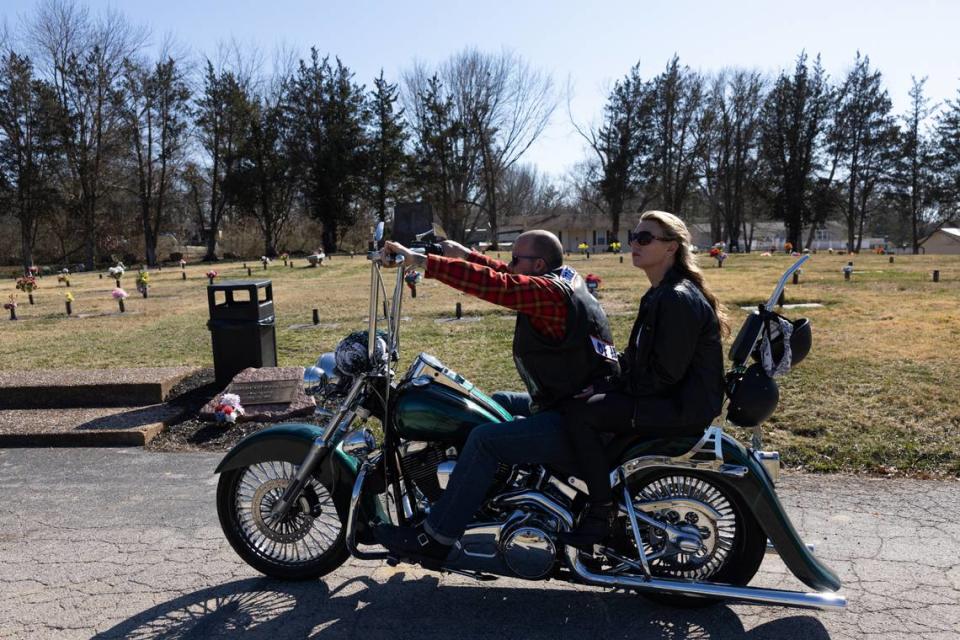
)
(418, 606)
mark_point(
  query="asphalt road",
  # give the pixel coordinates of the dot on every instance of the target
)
(122, 543)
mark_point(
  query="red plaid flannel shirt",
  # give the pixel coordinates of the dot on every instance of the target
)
(542, 299)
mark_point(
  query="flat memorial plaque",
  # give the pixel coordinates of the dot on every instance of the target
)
(265, 391)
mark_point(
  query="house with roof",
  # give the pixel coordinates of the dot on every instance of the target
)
(945, 240)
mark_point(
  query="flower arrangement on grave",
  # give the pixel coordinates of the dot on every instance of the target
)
(765, 254)
(228, 408)
(120, 295)
(787, 247)
(264, 260)
(64, 278)
(718, 254)
(27, 284)
(212, 274)
(316, 258)
(33, 270)
(285, 257)
(68, 300)
(143, 282)
(183, 263)
(412, 277)
(583, 246)
(117, 272)
(11, 306)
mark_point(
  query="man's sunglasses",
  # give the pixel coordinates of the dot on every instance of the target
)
(643, 238)
(515, 259)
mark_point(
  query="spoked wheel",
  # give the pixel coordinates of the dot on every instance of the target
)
(306, 543)
(731, 541)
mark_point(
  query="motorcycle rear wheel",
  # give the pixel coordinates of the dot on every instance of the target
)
(306, 544)
(739, 540)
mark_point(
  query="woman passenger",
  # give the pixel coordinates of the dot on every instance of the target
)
(671, 381)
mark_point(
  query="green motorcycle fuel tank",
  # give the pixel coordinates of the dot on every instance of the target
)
(436, 404)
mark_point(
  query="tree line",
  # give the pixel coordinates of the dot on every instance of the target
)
(734, 147)
(101, 143)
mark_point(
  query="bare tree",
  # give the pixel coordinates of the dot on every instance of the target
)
(507, 105)
(83, 58)
(730, 151)
(621, 145)
(446, 157)
(680, 124)
(156, 106)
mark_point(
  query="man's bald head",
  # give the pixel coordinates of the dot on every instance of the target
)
(543, 244)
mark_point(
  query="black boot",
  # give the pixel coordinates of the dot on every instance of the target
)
(412, 544)
(594, 525)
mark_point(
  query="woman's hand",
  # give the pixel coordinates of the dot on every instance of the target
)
(585, 393)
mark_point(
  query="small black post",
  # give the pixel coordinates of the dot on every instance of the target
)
(69, 308)
(796, 278)
(846, 275)
(588, 254)
(101, 276)
(122, 309)
(891, 259)
(249, 271)
(183, 275)
(244, 265)
(621, 259)
(291, 264)
(936, 278)
(30, 295)
(13, 313)
(144, 292)
(316, 316)
(118, 282)
(459, 311)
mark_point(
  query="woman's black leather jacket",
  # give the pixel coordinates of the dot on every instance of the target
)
(673, 363)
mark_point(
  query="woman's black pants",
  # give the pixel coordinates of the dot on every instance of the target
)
(584, 420)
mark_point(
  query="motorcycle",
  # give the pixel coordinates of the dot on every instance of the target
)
(696, 515)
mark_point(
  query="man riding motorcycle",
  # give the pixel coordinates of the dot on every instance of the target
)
(562, 344)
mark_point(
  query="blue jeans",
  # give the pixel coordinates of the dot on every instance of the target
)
(537, 439)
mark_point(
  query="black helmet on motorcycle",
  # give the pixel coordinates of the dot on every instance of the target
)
(753, 396)
(351, 353)
(801, 340)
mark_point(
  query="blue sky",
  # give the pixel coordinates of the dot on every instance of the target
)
(588, 44)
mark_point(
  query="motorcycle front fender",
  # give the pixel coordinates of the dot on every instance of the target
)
(757, 492)
(290, 442)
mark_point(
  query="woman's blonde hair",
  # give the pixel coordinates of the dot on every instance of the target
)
(674, 229)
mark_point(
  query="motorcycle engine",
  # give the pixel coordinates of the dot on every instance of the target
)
(420, 461)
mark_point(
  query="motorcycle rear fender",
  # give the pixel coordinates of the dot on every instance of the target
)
(757, 492)
(290, 442)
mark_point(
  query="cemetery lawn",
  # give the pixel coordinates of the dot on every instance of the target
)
(879, 393)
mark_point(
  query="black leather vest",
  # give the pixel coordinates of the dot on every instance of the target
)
(553, 371)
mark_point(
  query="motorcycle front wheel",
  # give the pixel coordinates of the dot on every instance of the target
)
(308, 542)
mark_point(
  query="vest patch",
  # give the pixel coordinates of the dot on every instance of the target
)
(567, 274)
(605, 349)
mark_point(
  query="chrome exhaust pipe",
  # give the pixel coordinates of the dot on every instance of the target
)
(755, 595)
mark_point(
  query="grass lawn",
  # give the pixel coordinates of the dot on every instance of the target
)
(879, 392)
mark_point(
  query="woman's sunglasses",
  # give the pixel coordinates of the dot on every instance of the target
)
(643, 238)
